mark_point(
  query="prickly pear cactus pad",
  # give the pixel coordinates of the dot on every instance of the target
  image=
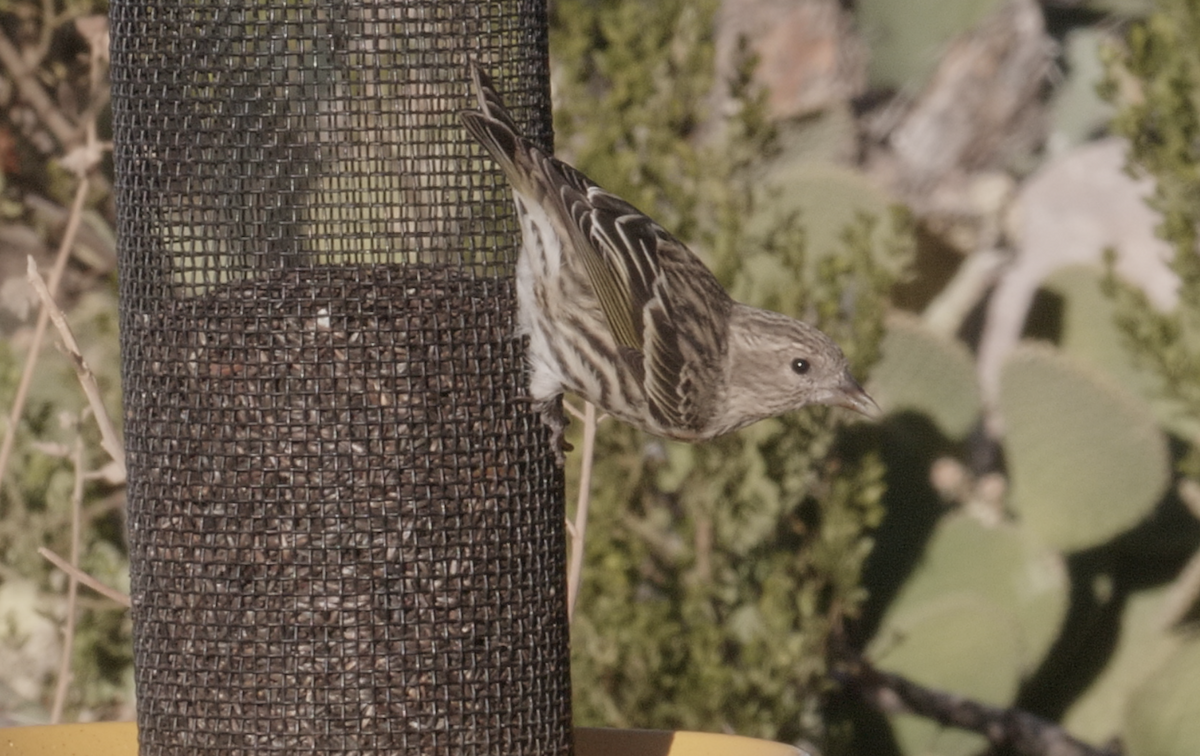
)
(960, 642)
(1086, 458)
(976, 616)
(1162, 718)
(922, 371)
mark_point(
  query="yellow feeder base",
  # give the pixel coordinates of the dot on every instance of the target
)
(120, 739)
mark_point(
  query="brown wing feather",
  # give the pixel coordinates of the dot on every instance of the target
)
(662, 304)
(686, 339)
(567, 193)
(619, 247)
(593, 219)
(667, 312)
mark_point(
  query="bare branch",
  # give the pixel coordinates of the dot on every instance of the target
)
(579, 529)
(39, 333)
(64, 668)
(108, 434)
(1021, 731)
(975, 277)
(1182, 596)
(85, 579)
(1189, 493)
(572, 410)
(67, 133)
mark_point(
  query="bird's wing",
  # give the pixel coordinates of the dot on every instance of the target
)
(666, 311)
(493, 126)
(658, 297)
(685, 338)
(618, 246)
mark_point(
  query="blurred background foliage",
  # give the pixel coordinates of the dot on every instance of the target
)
(1018, 529)
(991, 204)
(53, 89)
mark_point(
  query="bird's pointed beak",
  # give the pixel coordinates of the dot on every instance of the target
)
(852, 396)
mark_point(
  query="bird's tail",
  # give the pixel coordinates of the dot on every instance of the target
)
(492, 125)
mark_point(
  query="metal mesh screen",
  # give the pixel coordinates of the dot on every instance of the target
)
(345, 523)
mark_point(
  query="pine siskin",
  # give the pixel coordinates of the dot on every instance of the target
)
(621, 313)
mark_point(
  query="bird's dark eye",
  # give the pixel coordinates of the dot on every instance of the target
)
(800, 366)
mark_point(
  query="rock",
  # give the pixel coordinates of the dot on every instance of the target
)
(809, 57)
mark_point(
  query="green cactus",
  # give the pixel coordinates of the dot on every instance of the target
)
(960, 642)
(1085, 456)
(976, 616)
(1089, 333)
(907, 39)
(1003, 564)
(1142, 645)
(828, 198)
(1162, 720)
(825, 136)
(1077, 111)
(931, 374)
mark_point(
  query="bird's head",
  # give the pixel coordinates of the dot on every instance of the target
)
(778, 364)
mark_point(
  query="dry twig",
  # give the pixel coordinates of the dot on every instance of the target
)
(85, 579)
(87, 379)
(64, 669)
(39, 333)
(578, 528)
(80, 159)
(32, 92)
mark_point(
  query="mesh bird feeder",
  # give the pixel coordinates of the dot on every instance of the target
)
(345, 521)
